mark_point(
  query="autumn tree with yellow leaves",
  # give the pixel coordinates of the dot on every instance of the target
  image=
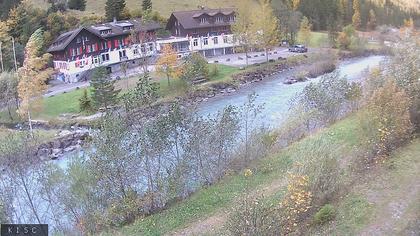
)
(266, 27)
(243, 29)
(167, 62)
(356, 19)
(33, 76)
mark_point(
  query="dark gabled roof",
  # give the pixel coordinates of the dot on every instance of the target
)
(117, 29)
(190, 19)
(61, 42)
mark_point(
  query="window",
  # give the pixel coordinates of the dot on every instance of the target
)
(135, 51)
(105, 57)
(73, 52)
(195, 42)
(215, 40)
(120, 42)
(151, 47)
(176, 32)
(79, 51)
(104, 32)
(143, 48)
(104, 45)
(225, 39)
(206, 41)
(78, 40)
(219, 19)
(95, 60)
(203, 20)
(85, 38)
(232, 18)
(122, 53)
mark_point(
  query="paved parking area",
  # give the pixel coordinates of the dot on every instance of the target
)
(239, 59)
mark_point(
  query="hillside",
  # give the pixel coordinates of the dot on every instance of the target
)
(164, 7)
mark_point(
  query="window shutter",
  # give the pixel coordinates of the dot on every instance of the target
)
(116, 43)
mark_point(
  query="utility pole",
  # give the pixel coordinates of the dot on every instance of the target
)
(1, 58)
(14, 53)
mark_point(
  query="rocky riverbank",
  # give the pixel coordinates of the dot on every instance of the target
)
(65, 142)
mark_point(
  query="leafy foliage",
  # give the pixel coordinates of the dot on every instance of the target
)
(325, 214)
(195, 66)
(167, 62)
(305, 30)
(33, 75)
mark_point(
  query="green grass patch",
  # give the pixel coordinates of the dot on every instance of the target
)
(356, 212)
(318, 39)
(60, 104)
(224, 72)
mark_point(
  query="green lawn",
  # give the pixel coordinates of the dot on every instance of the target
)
(60, 104)
(341, 137)
(68, 103)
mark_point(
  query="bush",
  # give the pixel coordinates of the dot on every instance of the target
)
(301, 75)
(387, 119)
(325, 214)
(195, 66)
(320, 68)
(253, 217)
(214, 71)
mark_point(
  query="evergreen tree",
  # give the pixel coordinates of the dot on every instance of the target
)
(85, 104)
(104, 93)
(114, 8)
(356, 15)
(147, 5)
(77, 4)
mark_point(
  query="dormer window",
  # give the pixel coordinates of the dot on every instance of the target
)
(232, 18)
(219, 19)
(203, 20)
(127, 28)
(107, 31)
(78, 40)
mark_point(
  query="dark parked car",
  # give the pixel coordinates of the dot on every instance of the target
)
(298, 48)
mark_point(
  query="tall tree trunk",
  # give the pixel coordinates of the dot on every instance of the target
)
(10, 113)
(30, 124)
(31, 203)
(167, 77)
(246, 56)
(266, 54)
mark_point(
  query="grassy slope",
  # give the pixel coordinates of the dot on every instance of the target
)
(343, 137)
(386, 201)
(164, 7)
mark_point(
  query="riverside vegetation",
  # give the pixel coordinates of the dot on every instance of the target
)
(140, 170)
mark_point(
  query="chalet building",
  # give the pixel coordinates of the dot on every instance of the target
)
(76, 52)
(207, 31)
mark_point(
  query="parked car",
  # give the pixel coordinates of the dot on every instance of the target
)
(298, 48)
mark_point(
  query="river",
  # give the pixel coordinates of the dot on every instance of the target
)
(275, 96)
